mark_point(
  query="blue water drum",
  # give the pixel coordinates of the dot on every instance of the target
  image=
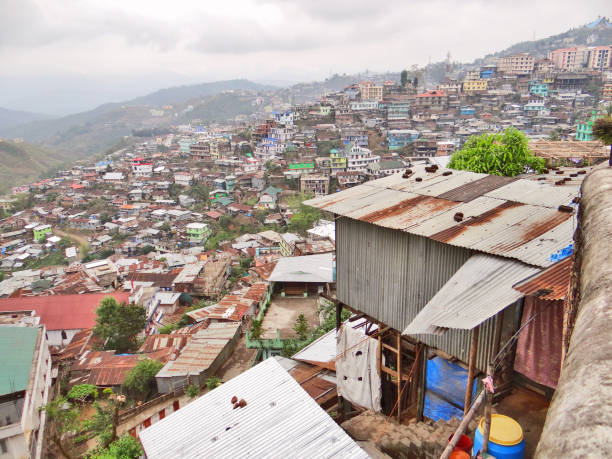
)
(505, 439)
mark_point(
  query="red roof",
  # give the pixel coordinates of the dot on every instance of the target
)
(432, 93)
(62, 312)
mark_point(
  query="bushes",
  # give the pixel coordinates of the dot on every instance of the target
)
(140, 381)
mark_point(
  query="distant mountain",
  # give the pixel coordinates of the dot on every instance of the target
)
(597, 33)
(96, 130)
(10, 118)
(25, 162)
(181, 94)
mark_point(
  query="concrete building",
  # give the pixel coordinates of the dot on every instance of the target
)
(25, 381)
(198, 232)
(314, 183)
(516, 64)
(370, 91)
(474, 85)
(41, 232)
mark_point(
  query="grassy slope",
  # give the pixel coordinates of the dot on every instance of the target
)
(23, 162)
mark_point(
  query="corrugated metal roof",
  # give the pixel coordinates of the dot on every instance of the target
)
(550, 284)
(478, 290)
(310, 268)
(514, 218)
(279, 420)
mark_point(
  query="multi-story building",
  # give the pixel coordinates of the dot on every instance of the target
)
(370, 91)
(200, 150)
(569, 59)
(337, 162)
(607, 91)
(398, 138)
(516, 64)
(544, 67)
(600, 57)
(356, 135)
(197, 232)
(474, 85)
(538, 88)
(359, 158)
(24, 388)
(41, 232)
(142, 167)
(584, 127)
(431, 99)
(314, 183)
(183, 178)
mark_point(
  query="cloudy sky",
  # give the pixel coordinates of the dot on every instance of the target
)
(62, 55)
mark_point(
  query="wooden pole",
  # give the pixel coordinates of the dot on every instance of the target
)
(487, 416)
(464, 423)
(399, 377)
(471, 369)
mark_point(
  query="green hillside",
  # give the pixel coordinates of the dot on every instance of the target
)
(24, 162)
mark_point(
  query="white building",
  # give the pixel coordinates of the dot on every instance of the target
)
(358, 159)
(25, 381)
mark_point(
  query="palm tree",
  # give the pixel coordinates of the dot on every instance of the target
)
(602, 130)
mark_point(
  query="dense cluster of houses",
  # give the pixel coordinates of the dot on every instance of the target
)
(193, 227)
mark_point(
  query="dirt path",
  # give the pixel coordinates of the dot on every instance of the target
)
(239, 361)
(78, 238)
(284, 312)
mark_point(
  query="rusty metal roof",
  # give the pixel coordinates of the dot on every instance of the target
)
(513, 218)
(550, 284)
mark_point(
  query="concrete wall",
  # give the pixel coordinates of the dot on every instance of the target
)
(579, 420)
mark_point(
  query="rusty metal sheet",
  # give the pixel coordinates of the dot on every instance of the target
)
(534, 193)
(550, 284)
(477, 188)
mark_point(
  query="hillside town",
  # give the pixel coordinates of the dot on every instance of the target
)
(312, 280)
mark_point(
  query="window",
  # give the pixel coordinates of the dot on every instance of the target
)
(64, 335)
(3, 447)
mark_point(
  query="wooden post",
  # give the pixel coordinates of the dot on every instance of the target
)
(399, 377)
(471, 369)
(338, 315)
(464, 423)
(487, 416)
(422, 387)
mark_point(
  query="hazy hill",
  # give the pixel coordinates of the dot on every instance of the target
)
(181, 94)
(598, 33)
(24, 162)
(96, 130)
(10, 118)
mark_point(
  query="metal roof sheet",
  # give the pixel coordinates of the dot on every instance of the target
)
(17, 351)
(279, 420)
(309, 268)
(550, 284)
(514, 218)
(478, 290)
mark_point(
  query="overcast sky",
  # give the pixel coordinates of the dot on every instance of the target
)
(94, 51)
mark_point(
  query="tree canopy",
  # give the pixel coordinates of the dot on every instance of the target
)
(602, 130)
(303, 216)
(119, 324)
(498, 154)
(140, 381)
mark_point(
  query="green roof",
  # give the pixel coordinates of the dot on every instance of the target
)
(17, 345)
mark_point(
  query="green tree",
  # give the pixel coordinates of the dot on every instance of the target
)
(81, 392)
(119, 324)
(256, 329)
(404, 78)
(62, 418)
(301, 327)
(140, 381)
(602, 130)
(192, 391)
(126, 447)
(213, 382)
(498, 154)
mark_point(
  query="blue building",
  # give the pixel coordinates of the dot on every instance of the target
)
(538, 88)
(398, 138)
(465, 110)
